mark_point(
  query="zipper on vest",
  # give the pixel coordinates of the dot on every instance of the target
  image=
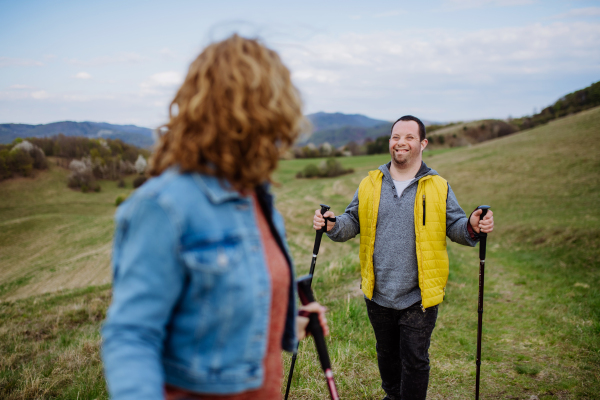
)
(423, 209)
(422, 308)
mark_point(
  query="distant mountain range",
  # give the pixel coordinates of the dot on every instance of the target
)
(325, 121)
(335, 128)
(131, 134)
(339, 129)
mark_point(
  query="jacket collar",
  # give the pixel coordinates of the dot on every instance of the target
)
(424, 170)
(217, 190)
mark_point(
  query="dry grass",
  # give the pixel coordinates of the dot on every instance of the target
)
(49, 346)
(53, 238)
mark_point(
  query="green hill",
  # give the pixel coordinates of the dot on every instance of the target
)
(541, 321)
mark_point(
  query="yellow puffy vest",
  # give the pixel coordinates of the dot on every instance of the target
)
(430, 239)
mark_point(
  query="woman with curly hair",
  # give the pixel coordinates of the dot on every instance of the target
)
(203, 291)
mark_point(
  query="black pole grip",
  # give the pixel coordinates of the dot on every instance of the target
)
(482, 235)
(324, 209)
(314, 327)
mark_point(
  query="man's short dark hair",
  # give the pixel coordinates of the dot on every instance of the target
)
(417, 120)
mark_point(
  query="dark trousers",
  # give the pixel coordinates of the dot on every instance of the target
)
(403, 338)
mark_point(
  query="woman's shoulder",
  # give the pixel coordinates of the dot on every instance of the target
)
(169, 184)
(173, 191)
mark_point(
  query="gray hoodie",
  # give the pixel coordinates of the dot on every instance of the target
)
(394, 255)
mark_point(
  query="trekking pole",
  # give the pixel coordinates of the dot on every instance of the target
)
(314, 327)
(324, 209)
(482, 242)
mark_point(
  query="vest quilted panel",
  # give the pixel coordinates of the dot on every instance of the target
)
(430, 242)
(369, 194)
(432, 257)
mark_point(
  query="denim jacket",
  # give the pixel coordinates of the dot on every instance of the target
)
(191, 290)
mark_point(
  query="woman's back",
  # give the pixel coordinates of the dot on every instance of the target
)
(190, 277)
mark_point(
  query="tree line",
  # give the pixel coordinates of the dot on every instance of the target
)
(571, 103)
(88, 159)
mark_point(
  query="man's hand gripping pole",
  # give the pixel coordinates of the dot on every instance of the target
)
(324, 209)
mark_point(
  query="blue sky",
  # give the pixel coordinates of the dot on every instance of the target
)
(445, 60)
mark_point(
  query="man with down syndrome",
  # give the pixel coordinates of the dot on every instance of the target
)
(403, 211)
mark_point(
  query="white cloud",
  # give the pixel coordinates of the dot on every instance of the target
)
(353, 71)
(392, 57)
(167, 53)
(14, 95)
(162, 82)
(85, 98)
(40, 95)
(83, 75)
(391, 13)
(487, 3)
(19, 62)
(120, 58)
(579, 12)
(20, 87)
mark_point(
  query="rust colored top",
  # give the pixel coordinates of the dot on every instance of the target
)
(280, 282)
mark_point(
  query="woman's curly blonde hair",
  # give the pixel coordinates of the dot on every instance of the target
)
(237, 111)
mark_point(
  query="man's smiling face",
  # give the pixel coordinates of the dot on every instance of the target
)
(405, 144)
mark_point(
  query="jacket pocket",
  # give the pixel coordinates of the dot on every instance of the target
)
(214, 258)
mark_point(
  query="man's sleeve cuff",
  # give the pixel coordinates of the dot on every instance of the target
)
(474, 235)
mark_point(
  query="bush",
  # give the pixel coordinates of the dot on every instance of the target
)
(139, 181)
(119, 200)
(379, 146)
(329, 168)
(20, 161)
(5, 171)
(24, 164)
(39, 158)
(311, 170)
(140, 164)
(439, 139)
(121, 183)
(82, 176)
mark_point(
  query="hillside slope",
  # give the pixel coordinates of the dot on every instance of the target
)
(544, 182)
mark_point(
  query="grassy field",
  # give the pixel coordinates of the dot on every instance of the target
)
(52, 237)
(541, 322)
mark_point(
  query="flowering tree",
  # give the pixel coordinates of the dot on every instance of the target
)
(140, 164)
